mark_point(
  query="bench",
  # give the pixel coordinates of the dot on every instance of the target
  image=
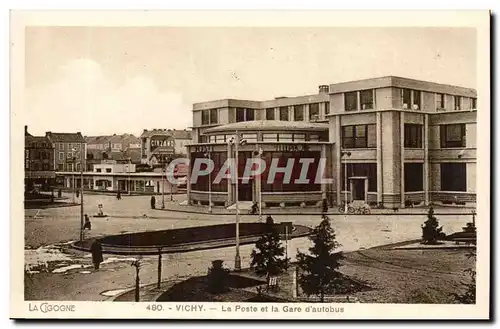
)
(272, 283)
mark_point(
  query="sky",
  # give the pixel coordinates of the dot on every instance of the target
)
(107, 80)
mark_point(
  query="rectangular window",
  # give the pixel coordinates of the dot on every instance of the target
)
(250, 138)
(220, 138)
(98, 170)
(284, 113)
(211, 139)
(416, 100)
(60, 167)
(270, 137)
(78, 167)
(205, 117)
(213, 116)
(61, 155)
(285, 137)
(414, 177)
(313, 111)
(457, 102)
(473, 103)
(440, 102)
(270, 114)
(61, 146)
(413, 135)
(250, 115)
(452, 135)
(454, 177)
(406, 98)
(314, 138)
(351, 101)
(240, 115)
(360, 136)
(299, 137)
(366, 97)
(298, 113)
(327, 108)
(69, 155)
(108, 170)
(70, 166)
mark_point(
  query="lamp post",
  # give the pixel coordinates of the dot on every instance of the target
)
(82, 233)
(163, 173)
(208, 155)
(129, 164)
(345, 178)
(237, 259)
(170, 183)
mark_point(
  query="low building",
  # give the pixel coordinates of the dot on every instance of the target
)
(159, 146)
(387, 141)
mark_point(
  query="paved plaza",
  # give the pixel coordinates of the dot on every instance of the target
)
(56, 272)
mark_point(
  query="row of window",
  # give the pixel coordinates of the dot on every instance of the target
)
(37, 154)
(108, 170)
(69, 155)
(266, 137)
(68, 167)
(70, 146)
(457, 103)
(364, 136)
(38, 145)
(38, 166)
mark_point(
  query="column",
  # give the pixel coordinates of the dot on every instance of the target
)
(188, 177)
(325, 172)
(291, 114)
(366, 190)
(306, 112)
(358, 98)
(426, 159)
(402, 152)
(338, 159)
(379, 158)
(230, 181)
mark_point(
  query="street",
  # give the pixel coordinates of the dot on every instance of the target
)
(56, 272)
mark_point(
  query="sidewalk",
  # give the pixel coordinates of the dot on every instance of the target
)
(175, 206)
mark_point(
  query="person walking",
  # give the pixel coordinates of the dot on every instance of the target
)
(153, 202)
(324, 206)
(87, 224)
(96, 250)
(118, 195)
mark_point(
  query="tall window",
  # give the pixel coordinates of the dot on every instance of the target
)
(416, 100)
(284, 113)
(351, 101)
(406, 97)
(473, 103)
(61, 146)
(454, 177)
(213, 116)
(439, 101)
(414, 177)
(250, 115)
(360, 136)
(457, 100)
(453, 135)
(327, 107)
(298, 113)
(205, 117)
(413, 135)
(240, 115)
(313, 111)
(366, 97)
(270, 114)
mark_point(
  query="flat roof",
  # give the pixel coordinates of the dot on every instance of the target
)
(269, 125)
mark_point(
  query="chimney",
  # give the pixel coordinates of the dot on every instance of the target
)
(48, 134)
(25, 130)
(324, 89)
(145, 130)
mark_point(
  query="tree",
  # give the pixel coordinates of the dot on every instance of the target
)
(320, 273)
(431, 232)
(217, 277)
(269, 258)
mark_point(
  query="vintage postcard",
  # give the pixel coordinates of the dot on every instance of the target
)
(250, 165)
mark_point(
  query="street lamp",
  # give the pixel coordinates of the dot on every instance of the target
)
(345, 177)
(163, 173)
(129, 164)
(170, 183)
(208, 155)
(82, 233)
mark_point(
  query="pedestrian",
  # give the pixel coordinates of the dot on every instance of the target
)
(87, 224)
(153, 202)
(77, 193)
(59, 193)
(118, 195)
(324, 205)
(96, 250)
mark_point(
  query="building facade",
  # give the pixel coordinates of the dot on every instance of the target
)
(159, 146)
(70, 150)
(39, 170)
(387, 141)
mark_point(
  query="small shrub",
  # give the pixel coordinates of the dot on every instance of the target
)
(431, 232)
(217, 277)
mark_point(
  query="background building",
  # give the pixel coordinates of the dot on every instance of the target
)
(39, 173)
(160, 145)
(70, 150)
(401, 141)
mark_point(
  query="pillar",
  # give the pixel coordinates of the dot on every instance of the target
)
(324, 187)
(366, 190)
(402, 152)
(358, 100)
(379, 158)
(230, 181)
(306, 112)
(291, 113)
(338, 160)
(426, 159)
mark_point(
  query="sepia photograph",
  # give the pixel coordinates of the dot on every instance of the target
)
(214, 165)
